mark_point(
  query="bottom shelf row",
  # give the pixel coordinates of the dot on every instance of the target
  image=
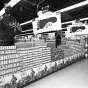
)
(25, 77)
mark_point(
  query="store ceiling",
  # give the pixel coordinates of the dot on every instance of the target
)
(26, 10)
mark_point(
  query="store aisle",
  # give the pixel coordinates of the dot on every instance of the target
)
(73, 76)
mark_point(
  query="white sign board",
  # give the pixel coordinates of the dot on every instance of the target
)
(76, 30)
(47, 22)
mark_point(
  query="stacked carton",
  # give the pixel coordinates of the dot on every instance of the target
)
(56, 54)
(37, 44)
(74, 48)
(77, 47)
(36, 57)
(68, 53)
(24, 58)
(46, 55)
(9, 62)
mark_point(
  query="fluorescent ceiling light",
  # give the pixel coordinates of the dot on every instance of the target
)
(2, 12)
(26, 22)
(74, 6)
(27, 30)
(11, 3)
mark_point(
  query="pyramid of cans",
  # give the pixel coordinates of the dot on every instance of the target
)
(9, 62)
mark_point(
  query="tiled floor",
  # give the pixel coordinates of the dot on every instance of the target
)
(73, 76)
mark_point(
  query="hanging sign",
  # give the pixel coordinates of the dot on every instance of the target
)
(76, 29)
(49, 21)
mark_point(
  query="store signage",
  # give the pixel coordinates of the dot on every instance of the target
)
(76, 30)
(47, 22)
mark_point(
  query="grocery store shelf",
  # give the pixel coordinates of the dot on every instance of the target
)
(73, 76)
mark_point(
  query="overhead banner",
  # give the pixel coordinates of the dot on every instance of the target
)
(47, 22)
(76, 29)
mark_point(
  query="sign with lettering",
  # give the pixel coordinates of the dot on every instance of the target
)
(77, 29)
(46, 23)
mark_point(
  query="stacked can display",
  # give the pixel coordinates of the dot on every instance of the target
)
(46, 55)
(86, 46)
(9, 62)
(36, 57)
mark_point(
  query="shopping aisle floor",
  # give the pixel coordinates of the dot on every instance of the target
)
(73, 76)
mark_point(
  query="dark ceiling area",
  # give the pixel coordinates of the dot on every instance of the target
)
(26, 10)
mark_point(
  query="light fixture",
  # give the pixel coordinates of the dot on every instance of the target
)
(74, 6)
(11, 3)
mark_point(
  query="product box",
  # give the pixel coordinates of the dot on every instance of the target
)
(2, 52)
(10, 51)
(2, 57)
(2, 47)
(9, 47)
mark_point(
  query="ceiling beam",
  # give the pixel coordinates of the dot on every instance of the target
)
(62, 2)
(50, 6)
(52, 2)
(22, 14)
(30, 9)
(71, 1)
(21, 18)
